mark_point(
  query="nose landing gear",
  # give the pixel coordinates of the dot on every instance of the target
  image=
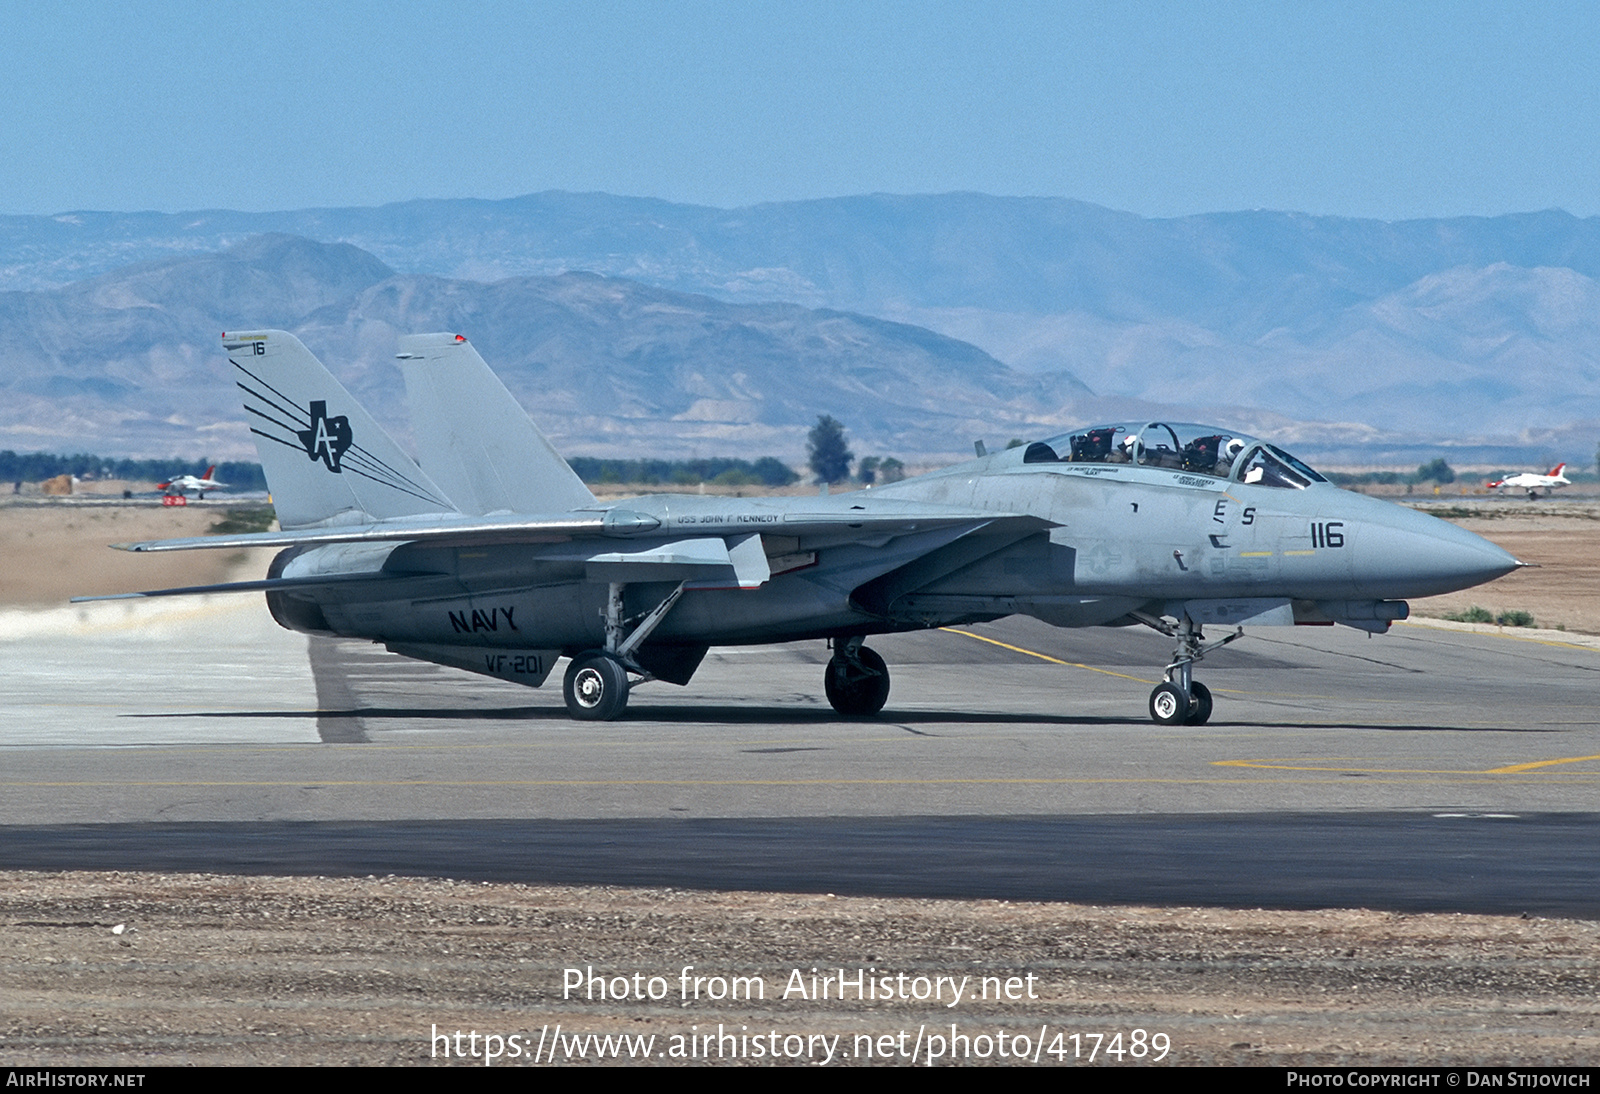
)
(1181, 699)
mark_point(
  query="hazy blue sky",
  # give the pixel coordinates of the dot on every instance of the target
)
(1389, 110)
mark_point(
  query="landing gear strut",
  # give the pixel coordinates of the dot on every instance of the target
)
(1181, 699)
(596, 684)
(856, 680)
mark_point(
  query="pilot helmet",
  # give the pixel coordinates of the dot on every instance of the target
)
(1231, 450)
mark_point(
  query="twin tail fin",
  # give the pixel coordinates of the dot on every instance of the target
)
(475, 438)
(326, 461)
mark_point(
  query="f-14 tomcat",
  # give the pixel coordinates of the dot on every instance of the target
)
(498, 560)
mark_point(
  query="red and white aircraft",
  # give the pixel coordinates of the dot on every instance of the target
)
(179, 485)
(1533, 483)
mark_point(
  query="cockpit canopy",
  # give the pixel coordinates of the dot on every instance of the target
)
(1180, 446)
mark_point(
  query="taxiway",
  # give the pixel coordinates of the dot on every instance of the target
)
(1425, 769)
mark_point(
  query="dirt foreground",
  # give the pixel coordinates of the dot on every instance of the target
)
(136, 970)
(119, 970)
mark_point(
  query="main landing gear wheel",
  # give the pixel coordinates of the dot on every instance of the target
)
(596, 687)
(859, 686)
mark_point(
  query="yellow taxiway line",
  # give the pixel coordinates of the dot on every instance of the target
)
(1047, 657)
(1513, 769)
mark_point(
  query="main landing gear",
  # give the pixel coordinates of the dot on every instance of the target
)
(596, 684)
(1182, 700)
(856, 679)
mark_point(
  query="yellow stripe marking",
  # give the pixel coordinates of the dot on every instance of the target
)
(1086, 780)
(302, 783)
(1255, 554)
(1517, 769)
(1299, 552)
(1047, 657)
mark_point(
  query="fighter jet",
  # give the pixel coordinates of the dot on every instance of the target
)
(498, 560)
(179, 485)
(1533, 483)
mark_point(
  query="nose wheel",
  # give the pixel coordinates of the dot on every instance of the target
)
(1170, 707)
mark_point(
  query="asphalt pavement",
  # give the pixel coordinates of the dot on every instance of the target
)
(1421, 770)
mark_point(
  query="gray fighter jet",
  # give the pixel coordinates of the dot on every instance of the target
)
(498, 560)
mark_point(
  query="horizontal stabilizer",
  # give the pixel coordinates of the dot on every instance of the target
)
(513, 529)
(264, 585)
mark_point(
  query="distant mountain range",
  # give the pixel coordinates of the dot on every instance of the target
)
(1359, 341)
(131, 361)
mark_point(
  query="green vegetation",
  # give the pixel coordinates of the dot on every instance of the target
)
(240, 521)
(1461, 512)
(1435, 470)
(1365, 478)
(767, 471)
(873, 469)
(240, 475)
(38, 466)
(829, 456)
(1475, 614)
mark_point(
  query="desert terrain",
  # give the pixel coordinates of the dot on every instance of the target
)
(134, 970)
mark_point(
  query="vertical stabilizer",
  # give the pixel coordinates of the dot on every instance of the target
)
(474, 437)
(326, 460)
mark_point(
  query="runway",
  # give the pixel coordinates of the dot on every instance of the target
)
(1422, 770)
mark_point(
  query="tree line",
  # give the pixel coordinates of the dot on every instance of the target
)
(719, 470)
(829, 456)
(38, 466)
(243, 475)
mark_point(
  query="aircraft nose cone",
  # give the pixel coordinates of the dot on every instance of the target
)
(1427, 556)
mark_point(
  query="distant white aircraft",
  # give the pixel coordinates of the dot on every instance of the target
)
(1533, 483)
(180, 485)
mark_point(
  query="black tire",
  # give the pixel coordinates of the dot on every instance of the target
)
(1200, 709)
(596, 687)
(1168, 706)
(857, 691)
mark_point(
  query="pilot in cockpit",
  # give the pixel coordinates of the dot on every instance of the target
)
(1201, 453)
(1093, 446)
(1230, 452)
